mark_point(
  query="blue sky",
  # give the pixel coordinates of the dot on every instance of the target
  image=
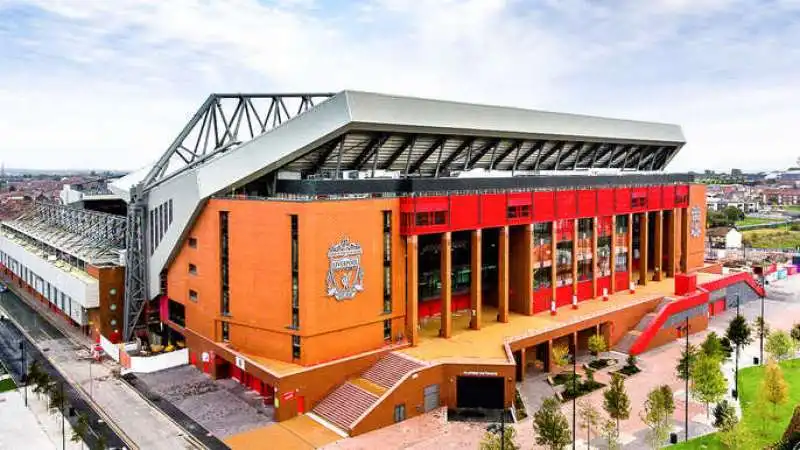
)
(108, 84)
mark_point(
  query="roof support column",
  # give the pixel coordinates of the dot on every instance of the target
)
(630, 248)
(684, 240)
(553, 254)
(527, 291)
(575, 238)
(412, 290)
(476, 287)
(445, 273)
(502, 276)
(658, 235)
(671, 244)
(643, 247)
(613, 257)
(594, 257)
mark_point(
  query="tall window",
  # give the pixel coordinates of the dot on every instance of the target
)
(387, 330)
(226, 331)
(387, 261)
(224, 256)
(295, 274)
(295, 347)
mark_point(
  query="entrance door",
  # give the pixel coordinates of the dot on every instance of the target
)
(479, 392)
(431, 397)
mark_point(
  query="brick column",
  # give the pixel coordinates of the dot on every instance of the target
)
(630, 247)
(671, 244)
(522, 363)
(684, 240)
(658, 235)
(502, 276)
(553, 251)
(549, 362)
(574, 257)
(445, 273)
(475, 289)
(643, 246)
(412, 290)
(613, 253)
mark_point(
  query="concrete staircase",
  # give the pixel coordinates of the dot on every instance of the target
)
(624, 345)
(349, 401)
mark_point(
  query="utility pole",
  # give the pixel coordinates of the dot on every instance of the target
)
(63, 436)
(574, 391)
(24, 371)
(686, 388)
(761, 333)
(736, 375)
(90, 379)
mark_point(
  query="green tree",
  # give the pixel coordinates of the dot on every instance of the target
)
(774, 389)
(657, 414)
(708, 382)
(738, 438)
(687, 359)
(56, 397)
(560, 356)
(615, 399)
(597, 345)
(81, 429)
(610, 434)
(712, 347)
(780, 345)
(42, 384)
(732, 215)
(551, 426)
(631, 361)
(102, 442)
(796, 333)
(725, 416)
(590, 419)
(494, 439)
(739, 334)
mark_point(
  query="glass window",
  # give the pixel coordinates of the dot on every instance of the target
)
(296, 347)
(387, 330)
(192, 242)
(192, 295)
(399, 413)
(226, 332)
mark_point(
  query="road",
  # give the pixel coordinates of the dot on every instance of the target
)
(145, 426)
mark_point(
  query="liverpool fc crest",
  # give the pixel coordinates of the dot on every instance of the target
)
(345, 275)
(696, 227)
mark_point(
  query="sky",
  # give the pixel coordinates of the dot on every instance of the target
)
(109, 84)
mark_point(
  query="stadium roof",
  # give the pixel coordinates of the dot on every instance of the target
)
(376, 133)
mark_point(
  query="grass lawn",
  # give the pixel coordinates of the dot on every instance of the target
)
(749, 381)
(7, 384)
(772, 238)
(754, 221)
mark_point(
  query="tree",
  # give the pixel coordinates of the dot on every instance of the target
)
(796, 333)
(616, 401)
(494, 437)
(774, 389)
(687, 358)
(733, 214)
(56, 395)
(780, 345)
(708, 382)
(590, 419)
(560, 356)
(658, 409)
(551, 425)
(631, 361)
(761, 327)
(725, 416)
(611, 434)
(739, 334)
(712, 347)
(80, 429)
(597, 345)
(35, 372)
(42, 384)
(738, 438)
(102, 442)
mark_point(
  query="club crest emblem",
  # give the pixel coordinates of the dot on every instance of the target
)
(696, 229)
(345, 274)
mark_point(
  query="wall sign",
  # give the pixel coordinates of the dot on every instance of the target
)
(345, 275)
(696, 226)
(240, 362)
(479, 374)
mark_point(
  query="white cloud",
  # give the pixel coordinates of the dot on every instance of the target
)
(116, 80)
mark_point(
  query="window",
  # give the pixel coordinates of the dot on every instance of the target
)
(622, 224)
(169, 211)
(192, 269)
(387, 330)
(192, 295)
(224, 263)
(518, 212)
(295, 273)
(192, 242)
(431, 218)
(399, 413)
(542, 278)
(176, 313)
(387, 261)
(295, 347)
(226, 331)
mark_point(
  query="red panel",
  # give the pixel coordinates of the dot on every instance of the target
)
(429, 204)
(493, 210)
(621, 281)
(585, 290)
(605, 202)
(563, 296)
(433, 306)
(641, 195)
(587, 203)
(605, 226)
(566, 204)
(460, 302)
(565, 230)
(544, 206)
(519, 198)
(668, 197)
(603, 282)
(464, 212)
(654, 197)
(622, 200)
(541, 299)
(407, 204)
(681, 196)
(685, 283)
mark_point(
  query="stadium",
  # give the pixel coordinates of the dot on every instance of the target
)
(365, 258)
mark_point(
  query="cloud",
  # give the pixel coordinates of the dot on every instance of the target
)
(109, 84)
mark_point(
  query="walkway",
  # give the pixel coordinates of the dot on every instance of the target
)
(19, 426)
(147, 427)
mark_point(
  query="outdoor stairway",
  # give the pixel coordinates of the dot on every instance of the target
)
(627, 341)
(624, 344)
(346, 403)
(390, 369)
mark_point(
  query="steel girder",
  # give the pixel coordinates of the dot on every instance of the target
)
(136, 267)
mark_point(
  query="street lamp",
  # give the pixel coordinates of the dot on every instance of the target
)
(685, 329)
(761, 333)
(24, 371)
(574, 392)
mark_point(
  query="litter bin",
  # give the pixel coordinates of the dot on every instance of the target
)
(734, 394)
(755, 360)
(673, 438)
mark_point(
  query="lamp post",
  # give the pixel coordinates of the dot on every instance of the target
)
(90, 378)
(761, 333)
(63, 437)
(574, 391)
(24, 371)
(686, 387)
(736, 374)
